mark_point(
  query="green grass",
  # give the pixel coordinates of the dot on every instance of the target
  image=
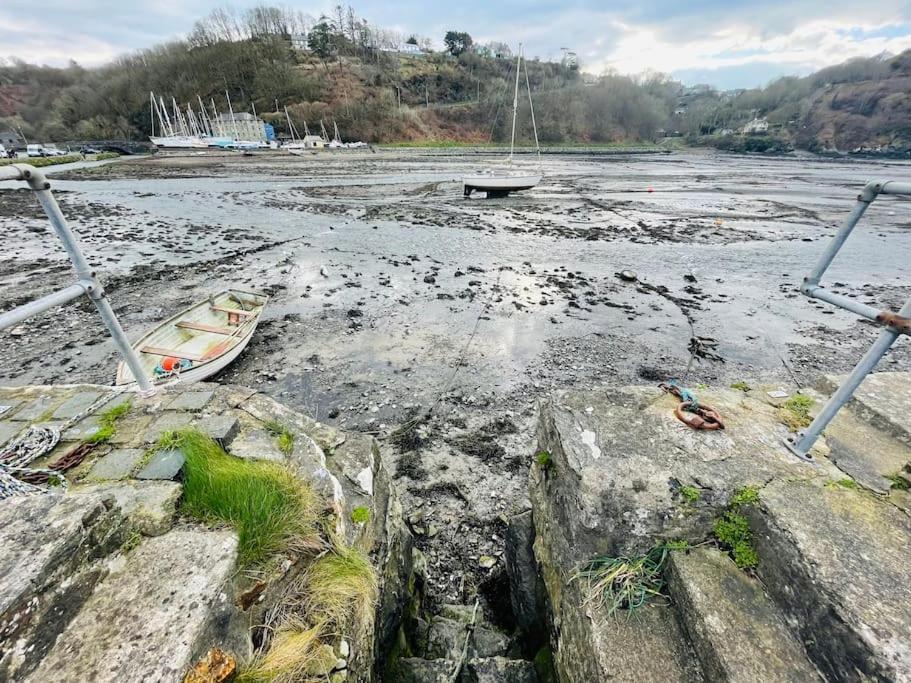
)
(38, 162)
(340, 587)
(108, 422)
(741, 386)
(690, 494)
(272, 510)
(747, 495)
(284, 437)
(360, 515)
(795, 412)
(625, 583)
(732, 530)
(842, 483)
(898, 482)
(545, 460)
(104, 156)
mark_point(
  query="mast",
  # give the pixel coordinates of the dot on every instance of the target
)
(152, 111)
(531, 106)
(290, 125)
(323, 129)
(515, 106)
(166, 123)
(306, 130)
(233, 121)
(338, 138)
(204, 117)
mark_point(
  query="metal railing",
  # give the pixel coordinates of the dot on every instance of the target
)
(86, 282)
(894, 324)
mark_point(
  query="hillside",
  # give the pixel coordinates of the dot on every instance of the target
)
(358, 76)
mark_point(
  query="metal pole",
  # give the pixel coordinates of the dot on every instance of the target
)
(45, 303)
(38, 182)
(804, 440)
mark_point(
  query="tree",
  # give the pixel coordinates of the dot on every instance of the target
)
(457, 42)
(320, 40)
(412, 40)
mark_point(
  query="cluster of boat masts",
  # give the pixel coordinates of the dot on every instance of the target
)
(186, 128)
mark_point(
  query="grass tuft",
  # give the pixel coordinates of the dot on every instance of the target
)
(733, 532)
(795, 412)
(627, 583)
(272, 510)
(108, 421)
(747, 495)
(360, 515)
(842, 483)
(296, 655)
(545, 460)
(283, 436)
(690, 494)
(742, 386)
(340, 587)
(899, 482)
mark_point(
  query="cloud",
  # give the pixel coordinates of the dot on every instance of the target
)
(740, 44)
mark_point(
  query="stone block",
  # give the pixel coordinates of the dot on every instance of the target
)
(222, 428)
(8, 430)
(160, 609)
(76, 404)
(191, 401)
(414, 670)
(736, 630)
(35, 409)
(164, 465)
(150, 507)
(166, 423)
(499, 670)
(117, 464)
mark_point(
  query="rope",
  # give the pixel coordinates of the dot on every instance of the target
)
(16, 456)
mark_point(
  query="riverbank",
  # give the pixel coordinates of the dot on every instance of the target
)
(393, 295)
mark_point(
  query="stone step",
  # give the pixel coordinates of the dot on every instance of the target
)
(162, 606)
(736, 630)
(883, 399)
(475, 670)
(49, 547)
(838, 562)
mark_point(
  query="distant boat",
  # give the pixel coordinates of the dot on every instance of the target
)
(500, 182)
(199, 341)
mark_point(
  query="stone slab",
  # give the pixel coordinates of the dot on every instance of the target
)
(7, 408)
(883, 398)
(150, 507)
(736, 630)
(82, 429)
(8, 430)
(222, 428)
(35, 409)
(838, 561)
(415, 670)
(257, 444)
(192, 401)
(117, 464)
(164, 464)
(167, 422)
(499, 670)
(76, 404)
(162, 606)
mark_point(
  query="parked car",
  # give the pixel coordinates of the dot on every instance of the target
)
(88, 149)
(44, 151)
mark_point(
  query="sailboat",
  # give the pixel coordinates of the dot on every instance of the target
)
(173, 134)
(500, 182)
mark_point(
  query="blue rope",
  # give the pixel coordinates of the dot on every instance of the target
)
(686, 395)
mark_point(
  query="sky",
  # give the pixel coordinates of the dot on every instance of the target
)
(726, 43)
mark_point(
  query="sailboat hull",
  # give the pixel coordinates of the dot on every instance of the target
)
(498, 186)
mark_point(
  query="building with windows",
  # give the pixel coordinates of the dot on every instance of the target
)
(243, 126)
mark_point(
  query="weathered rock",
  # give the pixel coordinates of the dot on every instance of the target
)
(48, 545)
(837, 560)
(445, 638)
(883, 399)
(75, 405)
(162, 606)
(736, 630)
(167, 422)
(117, 464)
(488, 642)
(498, 670)
(414, 670)
(163, 465)
(525, 590)
(150, 507)
(191, 401)
(216, 667)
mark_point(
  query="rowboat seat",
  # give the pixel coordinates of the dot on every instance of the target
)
(158, 351)
(236, 311)
(190, 325)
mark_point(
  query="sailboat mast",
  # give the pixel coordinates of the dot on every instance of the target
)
(290, 126)
(233, 121)
(531, 107)
(152, 111)
(515, 106)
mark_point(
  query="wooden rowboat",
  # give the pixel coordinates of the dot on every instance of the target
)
(199, 341)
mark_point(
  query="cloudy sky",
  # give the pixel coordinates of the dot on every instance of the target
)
(727, 43)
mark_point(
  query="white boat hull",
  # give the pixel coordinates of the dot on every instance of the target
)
(202, 334)
(179, 142)
(498, 185)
